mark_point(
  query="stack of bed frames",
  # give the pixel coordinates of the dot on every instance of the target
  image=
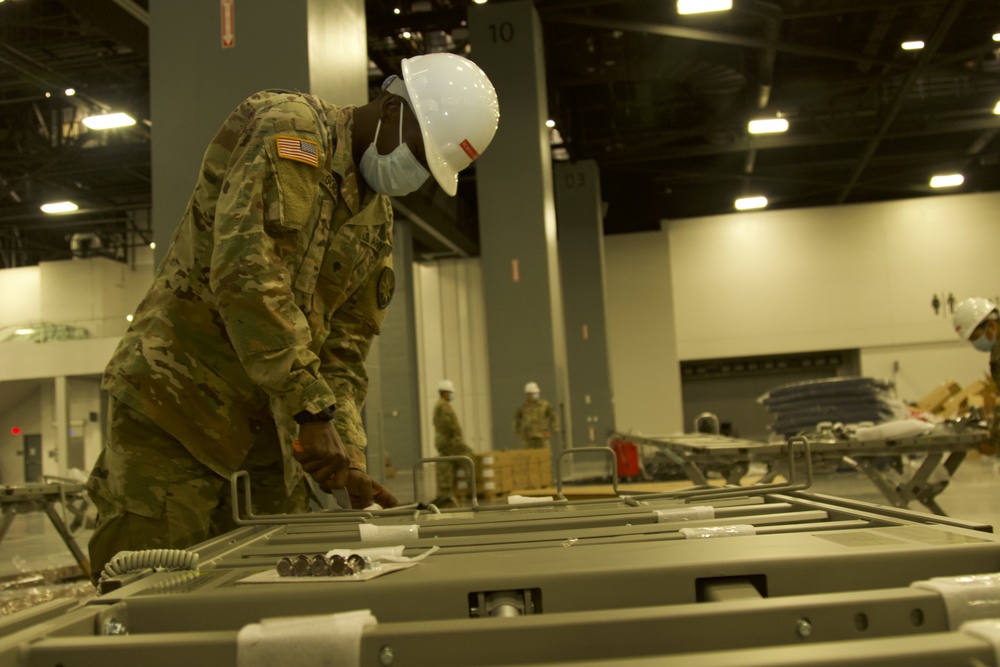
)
(800, 407)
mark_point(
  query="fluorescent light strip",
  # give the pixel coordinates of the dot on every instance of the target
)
(749, 203)
(914, 45)
(703, 6)
(767, 125)
(108, 121)
(59, 207)
(947, 180)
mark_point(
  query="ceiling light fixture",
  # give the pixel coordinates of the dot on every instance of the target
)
(70, 92)
(550, 123)
(947, 180)
(913, 45)
(59, 207)
(996, 109)
(767, 125)
(750, 203)
(996, 37)
(108, 121)
(703, 6)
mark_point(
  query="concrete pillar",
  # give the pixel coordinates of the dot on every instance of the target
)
(580, 215)
(60, 406)
(517, 225)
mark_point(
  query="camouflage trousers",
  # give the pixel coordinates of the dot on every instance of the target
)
(447, 472)
(537, 443)
(151, 493)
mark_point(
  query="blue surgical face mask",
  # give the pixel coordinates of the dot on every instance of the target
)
(984, 343)
(396, 174)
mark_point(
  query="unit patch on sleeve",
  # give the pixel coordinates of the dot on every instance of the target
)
(302, 150)
(386, 287)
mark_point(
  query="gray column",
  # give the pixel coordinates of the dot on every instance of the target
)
(392, 411)
(581, 259)
(60, 407)
(517, 229)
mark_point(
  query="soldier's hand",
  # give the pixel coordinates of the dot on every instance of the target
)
(323, 455)
(364, 491)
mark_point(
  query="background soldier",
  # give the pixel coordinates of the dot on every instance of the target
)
(536, 420)
(248, 352)
(977, 321)
(449, 442)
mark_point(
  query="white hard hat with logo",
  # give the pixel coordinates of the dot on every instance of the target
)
(456, 107)
(531, 388)
(969, 314)
(446, 385)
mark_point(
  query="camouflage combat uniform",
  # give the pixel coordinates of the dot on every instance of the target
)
(534, 422)
(995, 374)
(265, 305)
(448, 441)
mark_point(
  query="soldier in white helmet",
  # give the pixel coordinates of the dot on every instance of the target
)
(449, 442)
(248, 352)
(977, 321)
(535, 420)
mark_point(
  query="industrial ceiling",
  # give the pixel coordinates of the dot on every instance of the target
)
(661, 101)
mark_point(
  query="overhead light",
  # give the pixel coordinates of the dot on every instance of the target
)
(108, 121)
(996, 37)
(24, 332)
(703, 6)
(767, 125)
(152, 245)
(129, 317)
(480, 2)
(397, 11)
(59, 207)
(914, 45)
(749, 203)
(550, 123)
(70, 92)
(996, 109)
(947, 180)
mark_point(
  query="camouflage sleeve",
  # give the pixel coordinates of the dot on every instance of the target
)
(248, 275)
(553, 418)
(352, 328)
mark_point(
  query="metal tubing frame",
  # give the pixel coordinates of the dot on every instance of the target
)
(458, 458)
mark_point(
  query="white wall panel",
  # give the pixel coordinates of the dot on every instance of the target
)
(19, 287)
(645, 370)
(828, 278)
(451, 343)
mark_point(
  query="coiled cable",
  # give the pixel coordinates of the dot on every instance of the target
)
(127, 562)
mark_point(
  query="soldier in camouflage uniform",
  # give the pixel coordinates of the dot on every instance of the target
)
(977, 321)
(248, 351)
(448, 441)
(535, 420)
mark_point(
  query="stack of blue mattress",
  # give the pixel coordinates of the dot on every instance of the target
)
(798, 407)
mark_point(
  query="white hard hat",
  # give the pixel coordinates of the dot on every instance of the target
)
(456, 106)
(446, 385)
(969, 314)
(531, 388)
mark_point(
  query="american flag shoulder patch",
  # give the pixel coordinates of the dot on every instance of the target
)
(302, 150)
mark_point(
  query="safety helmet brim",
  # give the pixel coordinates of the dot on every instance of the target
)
(456, 107)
